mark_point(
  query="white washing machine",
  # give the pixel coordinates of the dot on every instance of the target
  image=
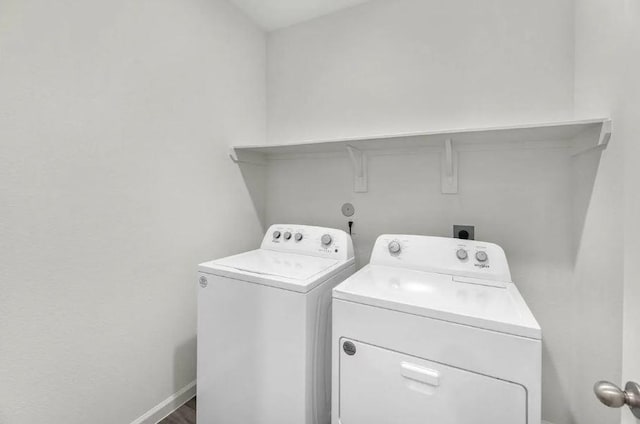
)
(264, 328)
(433, 330)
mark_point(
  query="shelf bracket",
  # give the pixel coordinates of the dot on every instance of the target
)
(605, 134)
(449, 169)
(359, 161)
(600, 144)
(233, 154)
(251, 158)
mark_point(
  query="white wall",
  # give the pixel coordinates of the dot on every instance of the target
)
(114, 183)
(607, 69)
(407, 65)
(596, 293)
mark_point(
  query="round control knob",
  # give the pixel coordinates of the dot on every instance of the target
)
(287, 235)
(298, 236)
(394, 247)
(481, 256)
(276, 234)
(326, 240)
(462, 254)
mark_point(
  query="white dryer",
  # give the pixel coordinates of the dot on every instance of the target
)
(264, 325)
(433, 330)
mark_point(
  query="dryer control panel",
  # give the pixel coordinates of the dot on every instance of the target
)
(309, 240)
(456, 257)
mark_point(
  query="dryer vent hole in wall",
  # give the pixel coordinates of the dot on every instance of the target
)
(464, 232)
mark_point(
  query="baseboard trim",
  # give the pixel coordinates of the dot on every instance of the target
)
(175, 401)
(167, 406)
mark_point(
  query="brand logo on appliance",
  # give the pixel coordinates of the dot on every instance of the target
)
(203, 282)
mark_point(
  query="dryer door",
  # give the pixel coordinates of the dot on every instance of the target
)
(380, 386)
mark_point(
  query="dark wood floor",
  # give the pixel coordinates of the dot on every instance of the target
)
(186, 414)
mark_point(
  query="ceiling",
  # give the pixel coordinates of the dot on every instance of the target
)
(275, 14)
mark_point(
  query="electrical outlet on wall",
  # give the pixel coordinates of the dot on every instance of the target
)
(465, 232)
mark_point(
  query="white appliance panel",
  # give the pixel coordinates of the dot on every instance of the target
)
(380, 386)
(249, 353)
(463, 258)
(441, 296)
(308, 240)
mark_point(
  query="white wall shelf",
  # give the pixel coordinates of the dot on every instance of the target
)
(574, 136)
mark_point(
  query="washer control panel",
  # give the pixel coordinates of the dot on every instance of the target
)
(309, 240)
(456, 257)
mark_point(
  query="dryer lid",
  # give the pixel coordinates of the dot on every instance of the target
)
(476, 303)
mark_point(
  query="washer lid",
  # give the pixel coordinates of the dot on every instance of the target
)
(290, 271)
(473, 302)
